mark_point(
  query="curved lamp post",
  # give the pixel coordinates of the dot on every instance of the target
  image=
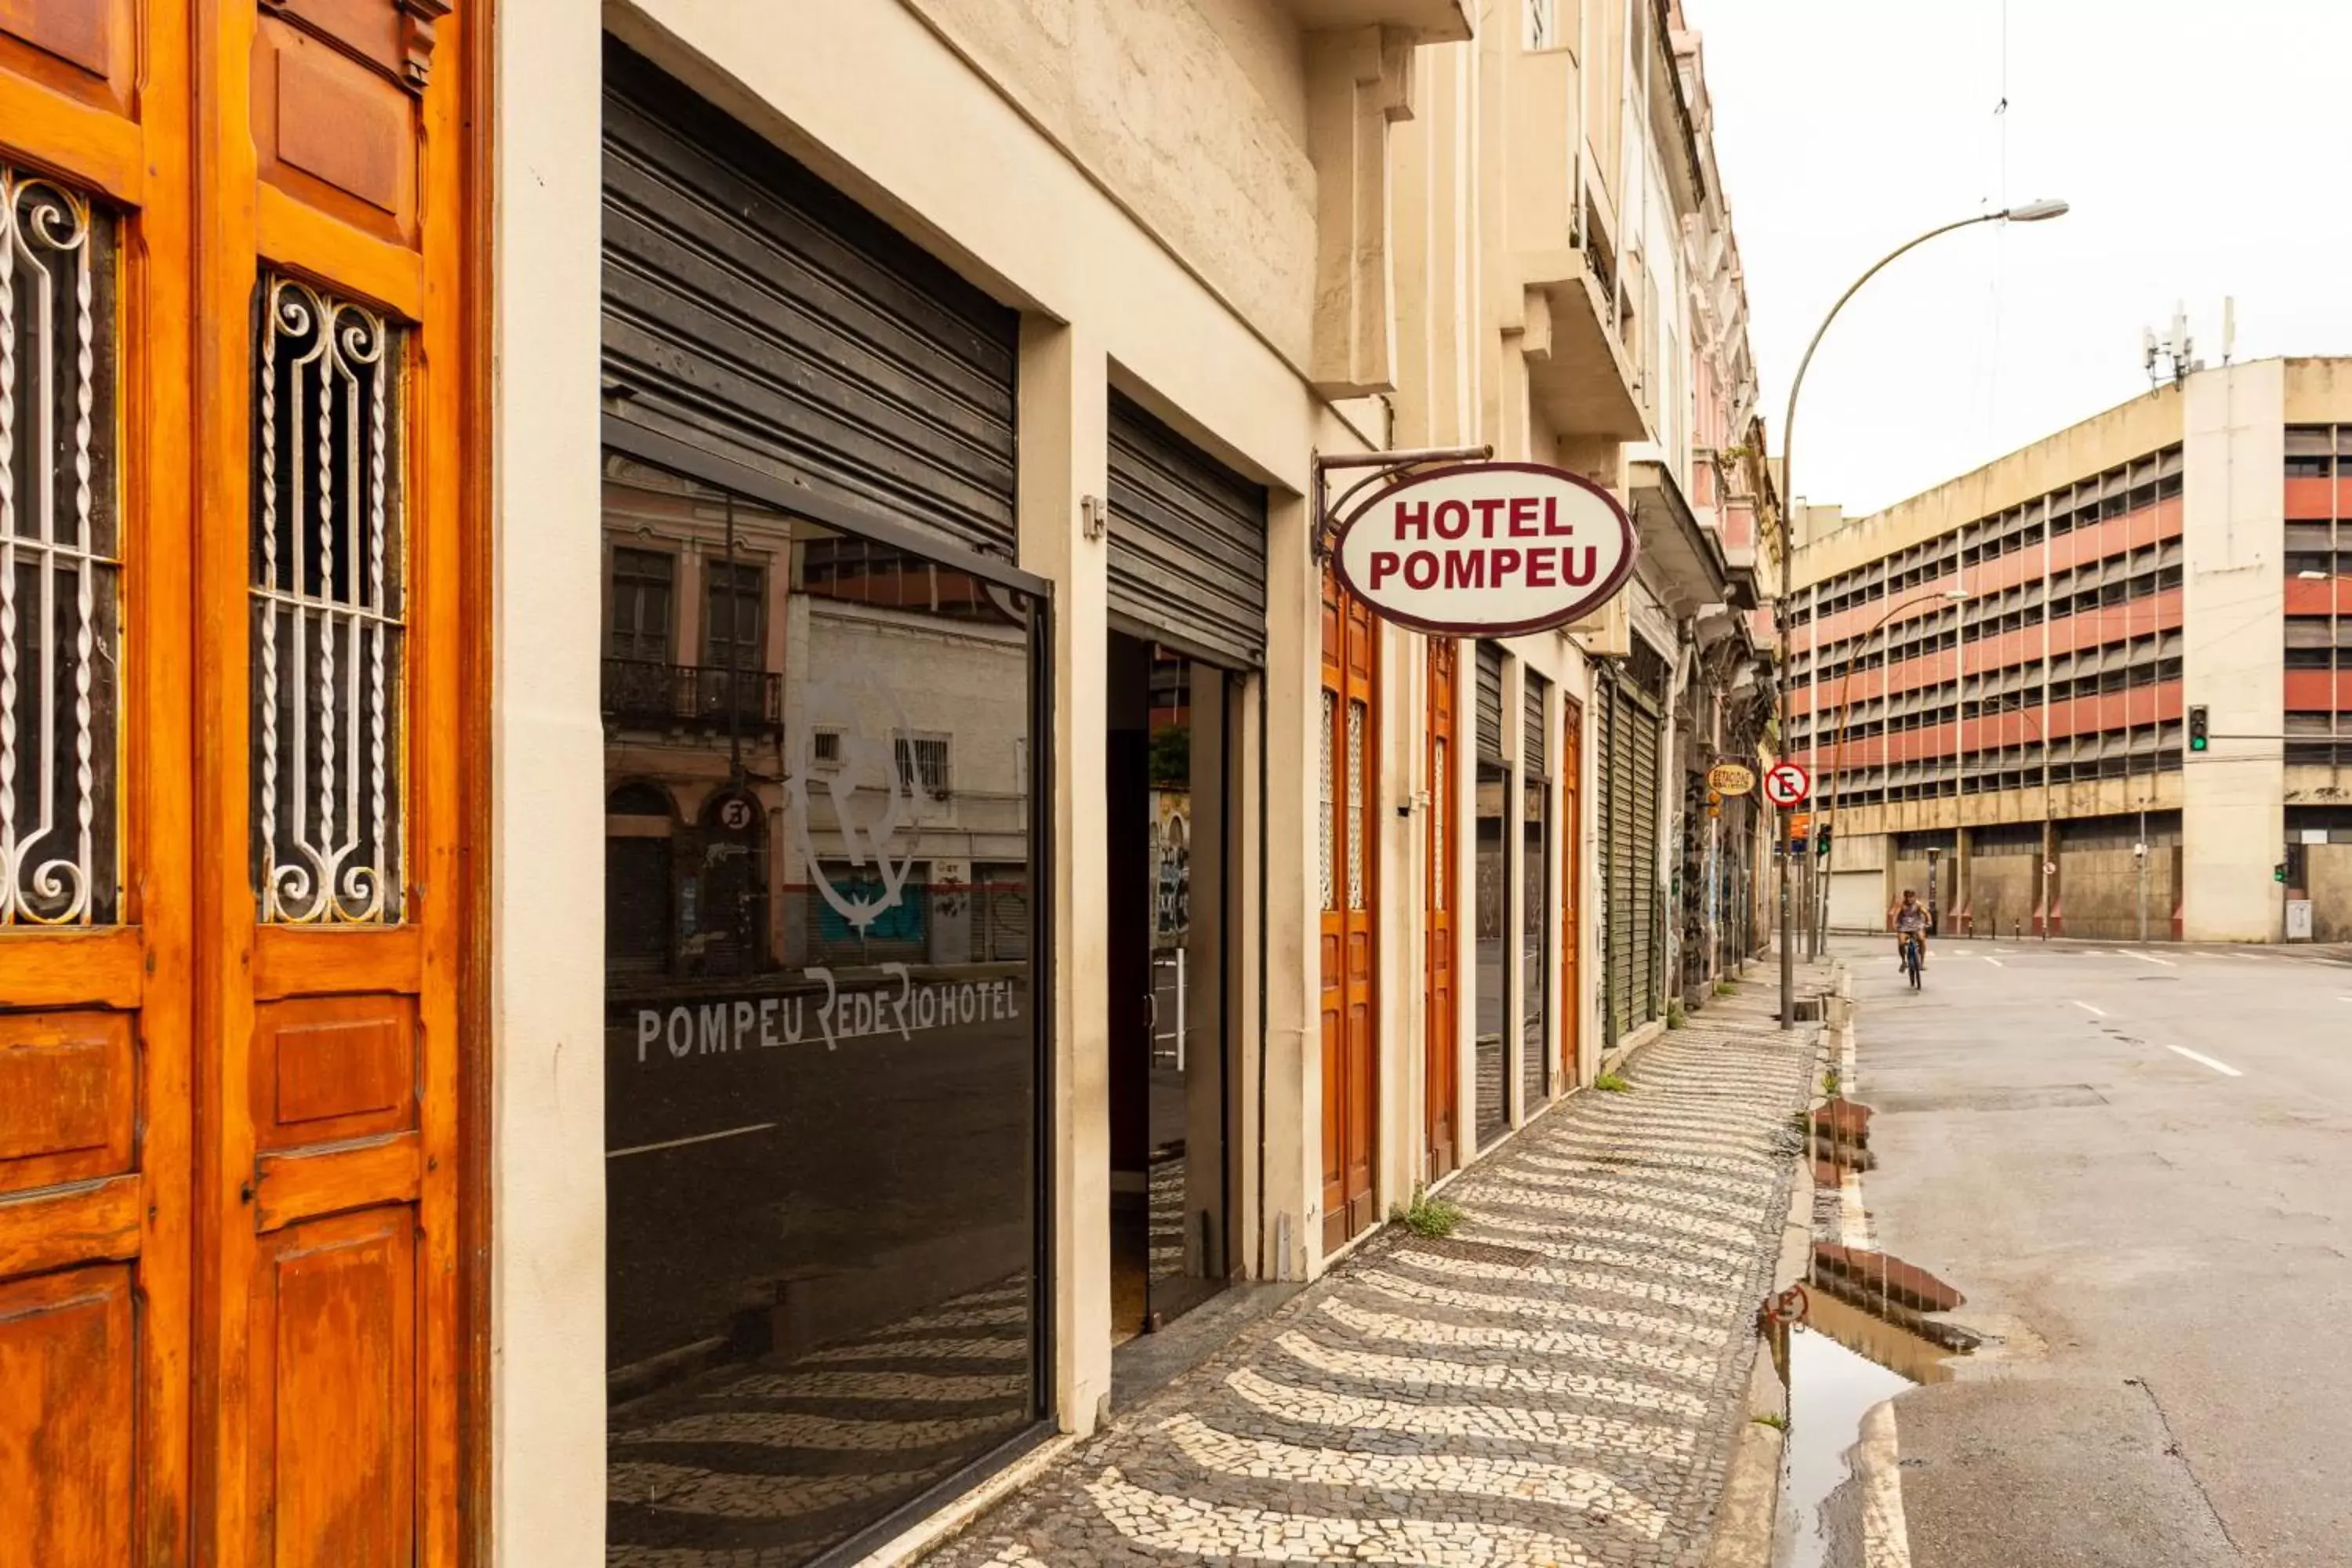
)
(2032, 212)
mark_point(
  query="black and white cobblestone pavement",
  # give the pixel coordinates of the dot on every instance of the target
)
(1561, 1381)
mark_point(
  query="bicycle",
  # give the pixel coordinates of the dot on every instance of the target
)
(1911, 957)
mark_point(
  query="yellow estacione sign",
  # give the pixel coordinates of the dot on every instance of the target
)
(1731, 778)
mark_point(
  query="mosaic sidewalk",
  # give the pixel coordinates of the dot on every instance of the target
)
(1561, 1381)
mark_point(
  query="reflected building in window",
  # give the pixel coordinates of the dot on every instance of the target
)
(821, 1048)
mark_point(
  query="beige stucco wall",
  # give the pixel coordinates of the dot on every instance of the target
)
(2318, 390)
(547, 935)
(1190, 114)
(2232, 500)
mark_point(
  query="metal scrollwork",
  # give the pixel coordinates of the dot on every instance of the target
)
(57, 566)
(328, 607)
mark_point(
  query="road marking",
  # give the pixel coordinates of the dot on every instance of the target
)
(1996, 962)
(2224, 1069)
(682, 1143)
(1886, 1534)
(2146, 958)
(2097, 1012)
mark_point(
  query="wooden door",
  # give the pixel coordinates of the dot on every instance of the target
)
(95, 837)
(241, 305)
(1441, 1031)
(1571, 886)
(1350, 750)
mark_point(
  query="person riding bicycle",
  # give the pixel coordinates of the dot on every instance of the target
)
(1911, 923)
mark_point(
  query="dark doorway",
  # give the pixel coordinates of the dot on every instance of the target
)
(1167, 762)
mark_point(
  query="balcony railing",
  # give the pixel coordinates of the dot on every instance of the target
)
(692, 695)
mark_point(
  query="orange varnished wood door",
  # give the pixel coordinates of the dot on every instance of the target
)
(1441, 1037)
(95, 837)
(1349, 743)
(238, 327)
(329, 892)
(1572, 887)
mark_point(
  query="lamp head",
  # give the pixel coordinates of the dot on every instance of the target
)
(2035, 212)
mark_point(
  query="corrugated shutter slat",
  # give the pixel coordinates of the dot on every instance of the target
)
(754, 313)
(1187, 542)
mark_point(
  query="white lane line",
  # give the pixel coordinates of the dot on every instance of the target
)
(1996, 962)
(2085, 1006)
(2344, 998)
(1886, 1534)
(682, 1143)
(2224, 1069)
(2146, 958)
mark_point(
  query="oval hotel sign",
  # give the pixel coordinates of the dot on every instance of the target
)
(1487, 550)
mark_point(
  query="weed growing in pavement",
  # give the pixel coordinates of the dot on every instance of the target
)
(1778, 1423)
(1610, 1083)
(1726, 988)
(1675, 1017)
(1830, 1082)
(1427, 1215)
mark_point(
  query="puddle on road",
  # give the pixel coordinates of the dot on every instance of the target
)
(1840, 1362)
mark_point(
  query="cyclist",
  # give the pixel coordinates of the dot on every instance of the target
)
(1911, 921)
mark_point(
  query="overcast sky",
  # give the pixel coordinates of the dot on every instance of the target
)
(2201, 142)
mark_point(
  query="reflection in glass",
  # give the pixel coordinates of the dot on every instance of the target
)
(820, 1063)
(1493, 1110)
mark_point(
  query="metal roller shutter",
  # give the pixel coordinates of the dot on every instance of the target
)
(1616, 855)
(755, 314)
(1187, 542)
(1642, 863)
(1490, 703)
(1532, 751)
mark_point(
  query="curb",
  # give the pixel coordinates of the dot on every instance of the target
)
(1748, 1511)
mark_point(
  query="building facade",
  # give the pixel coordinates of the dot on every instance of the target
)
(781, 784)
(1994, 678)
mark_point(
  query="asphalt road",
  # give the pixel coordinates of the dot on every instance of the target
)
(2136, 1165)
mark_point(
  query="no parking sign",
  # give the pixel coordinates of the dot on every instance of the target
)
(1787, 785)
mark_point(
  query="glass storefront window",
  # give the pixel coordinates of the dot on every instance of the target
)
(820, 1044)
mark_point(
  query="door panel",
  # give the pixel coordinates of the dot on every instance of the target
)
(229, 1249)
(95, 920)
(1441, 1035)
(1351, 1035)
(67, 1444)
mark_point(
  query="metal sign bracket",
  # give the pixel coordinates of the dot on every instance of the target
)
(1383, 466)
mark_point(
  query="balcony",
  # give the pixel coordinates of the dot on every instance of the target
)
(1428, 21)
(641, 694)
(1682, 560)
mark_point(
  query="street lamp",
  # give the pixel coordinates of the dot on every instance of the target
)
(1835, 790)
(2032, 212)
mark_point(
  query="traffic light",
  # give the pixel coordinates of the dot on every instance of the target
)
(1822, 846)
(2197, 741)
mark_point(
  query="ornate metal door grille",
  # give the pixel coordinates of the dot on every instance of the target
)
(327, 603)
(59, 567)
